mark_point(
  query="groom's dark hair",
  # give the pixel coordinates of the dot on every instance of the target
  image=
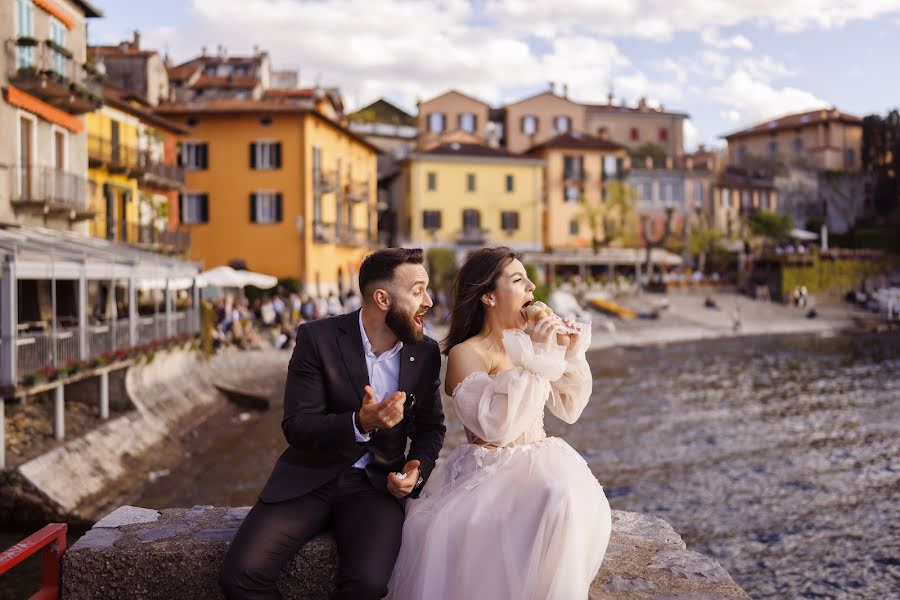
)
(378, 268)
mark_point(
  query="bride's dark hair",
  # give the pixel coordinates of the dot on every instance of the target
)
(477, 277)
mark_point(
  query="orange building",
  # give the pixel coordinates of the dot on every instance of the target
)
(277, 187)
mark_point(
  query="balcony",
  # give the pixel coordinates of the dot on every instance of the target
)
(161, 175)
(49, 191)
(329, 233)
(143, 235)
(50, 72)
(114, 156)
(473, 235)
(358, 191)
(326, 182)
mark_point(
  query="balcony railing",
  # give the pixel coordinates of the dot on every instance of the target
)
(143, 234)
(157, 173)
(329, 233)
(49, 72)
(326, 182)
(358, 191)
(473, 235)
(115, 156)
(50, 188)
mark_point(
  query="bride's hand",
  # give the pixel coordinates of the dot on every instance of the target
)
(543, 331)
(569, 340)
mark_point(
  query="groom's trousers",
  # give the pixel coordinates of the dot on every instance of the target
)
(366, 524)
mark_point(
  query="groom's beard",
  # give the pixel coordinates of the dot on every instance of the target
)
(403, 326)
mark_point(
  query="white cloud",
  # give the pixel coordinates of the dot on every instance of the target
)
(691, 135)
(712, 37)
(749, 100)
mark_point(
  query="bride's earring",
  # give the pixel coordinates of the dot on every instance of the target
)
(492, 302)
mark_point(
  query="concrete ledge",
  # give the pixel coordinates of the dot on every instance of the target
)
(173, 554)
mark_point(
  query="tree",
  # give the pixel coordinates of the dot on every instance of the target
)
(702, 239)
(651, 242)
(770, 225)
(639, 155)
(612, 215)
(881, 160)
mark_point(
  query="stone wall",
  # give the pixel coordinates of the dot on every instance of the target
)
(173, 391)
(174, 554)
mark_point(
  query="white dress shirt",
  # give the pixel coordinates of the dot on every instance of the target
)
(384, 377)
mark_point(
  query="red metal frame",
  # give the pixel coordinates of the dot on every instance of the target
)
(52, 540)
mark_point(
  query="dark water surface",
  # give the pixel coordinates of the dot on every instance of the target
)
(779, 456)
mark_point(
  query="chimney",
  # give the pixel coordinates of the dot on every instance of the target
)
(566, 90)
(609, 98)
(552, 87)
(255, 50)
(203, 51)
(701, 147)
(642, 104)
(136, 39)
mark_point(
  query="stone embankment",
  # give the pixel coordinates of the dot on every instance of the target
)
(77, 479)
(175, 554)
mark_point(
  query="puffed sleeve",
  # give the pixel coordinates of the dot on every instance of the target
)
(498, 409)
(570, 393)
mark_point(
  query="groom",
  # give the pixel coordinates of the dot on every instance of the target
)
(358, 386)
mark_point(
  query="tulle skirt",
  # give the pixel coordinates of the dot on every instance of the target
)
(522, 522)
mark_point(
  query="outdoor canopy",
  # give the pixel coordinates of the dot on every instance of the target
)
(225, 276)
(802, 234)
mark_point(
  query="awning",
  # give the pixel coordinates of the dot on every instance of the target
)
(226, 277)
(606, 256)
(802, 234)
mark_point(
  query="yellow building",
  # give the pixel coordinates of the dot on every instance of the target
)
(579, 170)
(276, 187)
(133, 178)
(462, 196)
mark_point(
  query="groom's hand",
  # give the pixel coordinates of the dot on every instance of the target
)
(380, 415)
(401, 487)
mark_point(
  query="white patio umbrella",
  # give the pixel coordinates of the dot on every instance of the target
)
(222, 277)
(259, 280)
(802, 234)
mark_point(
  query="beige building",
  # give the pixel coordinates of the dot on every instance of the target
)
(453, 117)
(520, 125)
(47, 86)
(133, 68)
(821, 139)
(636, 126)
(578, 171)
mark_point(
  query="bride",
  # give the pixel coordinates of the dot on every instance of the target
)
(512, 514)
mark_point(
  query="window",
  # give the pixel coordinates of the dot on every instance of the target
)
(764, 200)
(59, 149)
(635, 134)
(663, 134)
(437, 122)
(665, 192)
(610, 166)
(573, 193)
(432, 181)
(573, 168)
(431, 219)
(194, 156)
(58, 37)
(573, 227)
(25, 28)
(745, 199)
(265, 207)
(509, 221)
(698, 193)
(470, 182)
(529, 124)
(647, 191)
(209, 70)
(742, 153)
(194, 208)
(471, 219)
(678, 193)
(265, 156)
(510, 183)
(317, 175)
(562, 124)
(797, 145)
(773, 148)
(726, 198)
(849, 158)
(468, 122)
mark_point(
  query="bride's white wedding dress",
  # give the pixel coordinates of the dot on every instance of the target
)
(513, 514)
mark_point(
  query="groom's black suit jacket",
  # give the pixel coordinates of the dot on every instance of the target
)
(325, 381)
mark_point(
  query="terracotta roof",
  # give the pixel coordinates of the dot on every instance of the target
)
(124, 49)
(804, 119)
(476, 150)
(579, 141)
(182, 71)
(129, 102)
(620, 108)
(297, 93)
(234, 82)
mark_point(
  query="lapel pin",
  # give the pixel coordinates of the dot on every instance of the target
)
(412, 359)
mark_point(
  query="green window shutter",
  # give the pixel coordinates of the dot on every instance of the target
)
(278, 155)
(204, 208)
(252, 155)
(181, 208)
(278, 210)
(204, 156)
(253, 208)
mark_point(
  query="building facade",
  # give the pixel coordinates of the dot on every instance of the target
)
(577, 177)
(453, 115)
(48, 86)
(736, 194)
(825, 139)
(636, 126)
(277, 188)
(463, 196)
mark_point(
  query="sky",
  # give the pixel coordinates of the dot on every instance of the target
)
(727, 63)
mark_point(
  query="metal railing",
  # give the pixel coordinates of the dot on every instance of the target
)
(472, 235)
(170, 174)
(50, 72)
(31, 183)
(142, 234)
(105, 151)
(39, 349)
(99, 339)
